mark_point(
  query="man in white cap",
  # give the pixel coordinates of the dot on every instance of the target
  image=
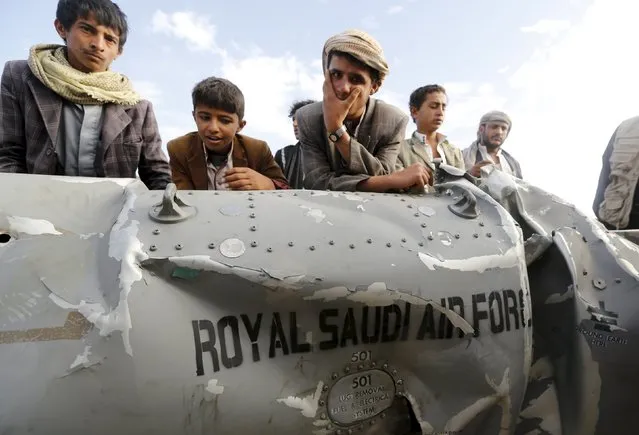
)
(350, 141)
(493, 130)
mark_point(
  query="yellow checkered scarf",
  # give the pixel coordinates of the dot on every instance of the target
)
(49, 64)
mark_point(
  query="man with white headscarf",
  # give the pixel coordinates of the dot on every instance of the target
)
(494, 128)
(350, 141)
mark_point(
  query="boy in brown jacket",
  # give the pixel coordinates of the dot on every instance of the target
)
(217, 157)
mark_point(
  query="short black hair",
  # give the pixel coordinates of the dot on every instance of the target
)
(375, 76)
(419, 95)
(105, 12)
(219, 93)
(298, 105)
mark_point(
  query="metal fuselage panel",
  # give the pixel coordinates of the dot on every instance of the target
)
(281, 312)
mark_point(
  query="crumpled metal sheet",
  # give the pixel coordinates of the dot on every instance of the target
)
(341, 312)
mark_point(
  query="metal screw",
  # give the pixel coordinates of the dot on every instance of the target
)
(410, 206)
(372, 422)
(360, 367)
(599, 284)
(250, 193)
(385, 366)
(178, 246)
(476, 235)
(369, 240)
(153, 248)
(347, 369)
(312, 248)
(325, 388)
(269, 249)
(321, 403)
(252, 215)
(323, 416)
(374, 364)
(351, 246)
(388, 245)
(156, 232)
(585, 272)
(457, 236)
(489, 235)
(254, 244)
(416, 215)
(331, 242)
(394, 372)
(383, 415)
(211, 245)
(334, 376)
(481, 224)
(400, 382)
(420, 244)
(290, 243)
(424, 225)
(403, 200)
(430, 237)
(404, 240)
(250, 199)
(618, 280)
(251, 205)
(253, 228)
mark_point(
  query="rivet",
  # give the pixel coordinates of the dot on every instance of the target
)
(323, 416)
(420, 244)
(153, 248)
(269, 249)
(400, 382)
(618, 280)
(394, 372)
(295, 194)
(261, 192)
(385, 366)
(403, 240)
(156, 232)
(360, 367)
(489, 235)
(251, 205)
(325, 388)
(252, 215)
(351, 246)
(347, 369)
(481, 224)
(430, 237)
(383, 415)
(178, 246)
(585, 272)
(403, 200)
(331, 242)
(250, 199)
(216, 193)
(410, 206)
(423, 225)
(374, 364)
(250, 193)
(369, 240)
(254, 244)
(312, 248)
(334, 376)
(253, 228)
(457, 236)
(321, 403)
(388, 245)
(280, 195)
(476, 235)
(211, 245)
(290, 243)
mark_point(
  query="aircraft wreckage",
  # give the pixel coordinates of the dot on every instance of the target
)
(483, 307)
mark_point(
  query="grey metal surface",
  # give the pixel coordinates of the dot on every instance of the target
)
(291, 312)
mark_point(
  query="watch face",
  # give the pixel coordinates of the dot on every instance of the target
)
(333, 137)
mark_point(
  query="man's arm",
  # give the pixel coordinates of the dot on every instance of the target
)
(13, 153)
(179, 174)
(604, 175)
(153, 167)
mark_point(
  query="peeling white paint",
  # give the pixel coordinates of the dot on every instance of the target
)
(82, 359)
(360, 207)
(557, 298)
(213, 388)
(329, 294)
(89, 235)
(480, 264)
(308, 405)
(426, 211)
(500, 397)
(309, 337)
(123, 182)
(425, 426)
(546, 409)
(33, 227)
(315, 213)
(542, 369)
(601, 233)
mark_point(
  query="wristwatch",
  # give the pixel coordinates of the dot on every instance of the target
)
(334, 136)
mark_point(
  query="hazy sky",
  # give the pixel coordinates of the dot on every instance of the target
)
(567, 71)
